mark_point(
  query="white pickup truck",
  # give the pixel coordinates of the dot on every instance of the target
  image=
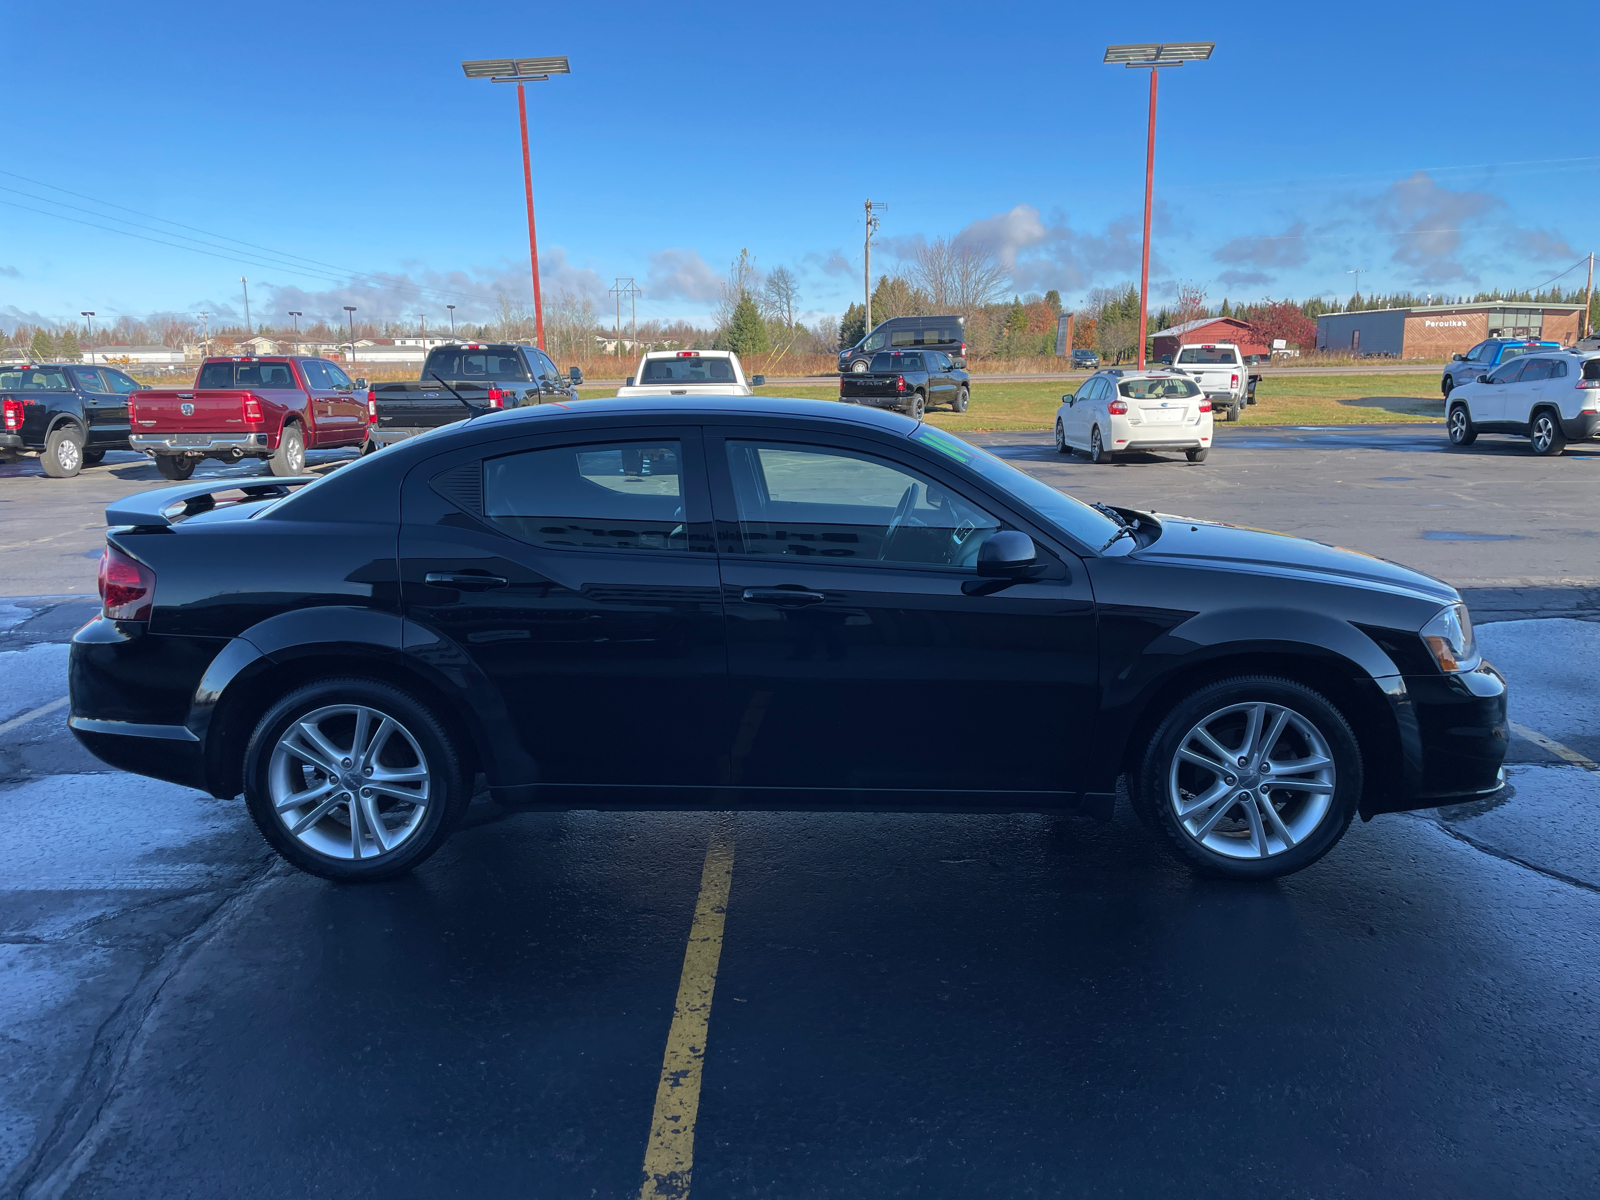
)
(690, 372)
(1222, 374)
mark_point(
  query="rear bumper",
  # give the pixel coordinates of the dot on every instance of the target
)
(879, 401)
(1578, 428)
(1453, 740)
(11, 441)
(1193, 442)
(388, 437)
(199, 443)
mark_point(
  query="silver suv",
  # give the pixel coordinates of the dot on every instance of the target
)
(1550, 397)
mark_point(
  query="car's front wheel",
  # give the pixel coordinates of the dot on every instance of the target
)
(959, 404)
(353, 780)
(1446, 385)
(859, 366)
(1251, 777)
(1459, 426)
(1545, 435)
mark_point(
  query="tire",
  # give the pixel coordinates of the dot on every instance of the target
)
(1460, 427)
(317, 835)
(1061, 440)
(1544, 434)
(959, 404)
(368, 447)
(1197, 456)
(1230, 413)
(1224, 837)
(859, 366)
(290, 456)
(1447, 385)
(175, 466)
(1097, 449)
(917, 407)
(93, 458)
(63, 452)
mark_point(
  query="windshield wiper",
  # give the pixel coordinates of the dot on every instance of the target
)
(1124, 529)
(476, 410)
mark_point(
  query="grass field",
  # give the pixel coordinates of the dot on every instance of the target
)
(1314, 400)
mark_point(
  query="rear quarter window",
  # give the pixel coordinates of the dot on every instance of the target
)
(35, 379)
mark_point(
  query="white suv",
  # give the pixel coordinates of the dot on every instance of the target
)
(1550, 397)
(1118, 411)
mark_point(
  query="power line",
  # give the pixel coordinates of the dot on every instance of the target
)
(1568, 271)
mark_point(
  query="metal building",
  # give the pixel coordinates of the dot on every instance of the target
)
(1440, 330)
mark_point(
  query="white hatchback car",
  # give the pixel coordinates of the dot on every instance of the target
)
(1118, 411)
(1550, 397)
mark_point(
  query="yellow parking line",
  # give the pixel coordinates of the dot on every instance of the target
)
(669, 1157)
(1555, 747)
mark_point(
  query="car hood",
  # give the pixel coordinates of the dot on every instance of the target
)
(1186, 541)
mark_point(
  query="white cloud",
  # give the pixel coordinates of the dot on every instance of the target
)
(679, 274)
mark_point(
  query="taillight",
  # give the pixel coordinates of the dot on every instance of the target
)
(1583, 383)
(963, 349)
(900, 383)
(127, 587)
(1205, 406)
(372, 410)
(1117, 407)
(13, 414)
(252, 410)
(497, 398)
(133, 412)
(1233, 381)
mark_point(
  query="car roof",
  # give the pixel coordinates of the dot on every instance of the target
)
(692, 405)
(688, 353)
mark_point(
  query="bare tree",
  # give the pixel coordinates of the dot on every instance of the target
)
(780, 295)
(570, 325)
(744, 281)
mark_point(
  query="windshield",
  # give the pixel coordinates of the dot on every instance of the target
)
(223, 376)
(893, 364)
(1203, 355)
(1159, 389)
(487, 364)
(1074, 517)
(691, 369)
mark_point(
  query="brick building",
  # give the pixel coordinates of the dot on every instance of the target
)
(1440, 330)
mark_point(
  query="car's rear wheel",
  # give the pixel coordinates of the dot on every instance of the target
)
(1061, 440)
(290, 456)
(63, 452)
(1097, 448)
(916, 407)
(354, 780)
(1251, 778)
(175, 466)
(1459, 426)
(1545, 435)
(1197, 456)
(960, 402)
(93, 458)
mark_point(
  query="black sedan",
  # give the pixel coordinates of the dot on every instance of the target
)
(719, 603)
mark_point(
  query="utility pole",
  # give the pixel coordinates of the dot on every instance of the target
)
(624, 287)
(296, 316)
(452, 309)
(866, 271)
(90, 315)
(1358, 272)
(424, 319)
(1588, 296)
(247, 330)
(351, 309)
(205, 337)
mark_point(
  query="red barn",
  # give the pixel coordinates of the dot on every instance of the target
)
(1206, 331)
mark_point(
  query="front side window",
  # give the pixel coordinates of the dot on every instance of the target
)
(1506, 372)
(875, 342)
(317, 375)
(121, 384)
(89, 379)
(337, 378)
(832, 505)
(1479, 353)
(614, 496)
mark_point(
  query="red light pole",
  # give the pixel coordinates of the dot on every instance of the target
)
(521, 71)
(1153, 56)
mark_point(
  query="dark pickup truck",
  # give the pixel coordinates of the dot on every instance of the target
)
(66, 413)
(459, 380)
(909, 382)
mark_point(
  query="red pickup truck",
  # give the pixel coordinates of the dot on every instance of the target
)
(273, 408)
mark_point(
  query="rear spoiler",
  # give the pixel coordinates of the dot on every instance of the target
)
(155, 508)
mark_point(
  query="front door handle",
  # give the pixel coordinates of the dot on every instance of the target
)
(783, 597)
(464, 582)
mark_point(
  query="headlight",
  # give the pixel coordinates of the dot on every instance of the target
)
(1450, 640)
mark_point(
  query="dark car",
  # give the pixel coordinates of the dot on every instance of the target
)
(66, 413)
(1088, 360)
(946, 333)
(908, 383)
(456, 379)
(726, 603)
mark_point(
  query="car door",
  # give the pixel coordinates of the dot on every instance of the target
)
(941, 388)
(101, 407)
(1529, 390)
(319, 403)
(122, 386)
(578, 574)
(857, 658)
(546, 378)
(1085, 412)
(1496, 397)
(346, 410)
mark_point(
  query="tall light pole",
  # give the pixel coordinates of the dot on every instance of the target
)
(520, 71)
(351, 309)
(246, 283)
(296, 316)
(1358, 272)
(423, 317)
(866, 269)
(1153, 55)
(90, 335)
(452, 309)
(205, 336)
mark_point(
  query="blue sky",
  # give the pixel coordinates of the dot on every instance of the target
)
(1318, 139)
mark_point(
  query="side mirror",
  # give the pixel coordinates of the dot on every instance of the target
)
(575, 374)
(1458, 358)
(630, 382)
(1483, 379)
(1069, 398)
(758, 380)
(362, 385)
(1009, 554)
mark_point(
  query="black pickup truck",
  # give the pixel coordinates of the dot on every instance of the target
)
(66, 413)
(459, 380)
(908, 381)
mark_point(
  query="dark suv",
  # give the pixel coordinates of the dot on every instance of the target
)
(66, 413)
(948, 333)
(1090, 361)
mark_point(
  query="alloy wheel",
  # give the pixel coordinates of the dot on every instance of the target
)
(349, 782)
(1458, 424)
(68, 455)
(1544, 433)
(1251, 780)
(1061, 439)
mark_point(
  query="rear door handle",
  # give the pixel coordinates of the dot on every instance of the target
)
(783, 597)
(464, 582)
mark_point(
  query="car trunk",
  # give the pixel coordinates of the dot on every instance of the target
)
(1165, 412)
(209, 412)
(872, 385)
(425, 406)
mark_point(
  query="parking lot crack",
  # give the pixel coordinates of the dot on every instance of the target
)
(1516, 860)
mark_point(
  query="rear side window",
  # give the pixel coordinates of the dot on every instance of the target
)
(616, 496)
(1537, 368)
(892, 364)
(903, 337)
(688, 370)
(493, 364)
(35, 379)
(1158, 389)
(1203, 355)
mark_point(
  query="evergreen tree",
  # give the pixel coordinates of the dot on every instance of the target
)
(67, 346)
(852, 326)
(1052, 300)
(42, 349)
(1225, 311)
(747, 334)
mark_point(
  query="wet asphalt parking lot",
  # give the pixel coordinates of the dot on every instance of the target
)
(904, 1005)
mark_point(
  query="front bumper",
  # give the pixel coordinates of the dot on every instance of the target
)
(1453, 740)
(1581, 427)
(199, 443)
